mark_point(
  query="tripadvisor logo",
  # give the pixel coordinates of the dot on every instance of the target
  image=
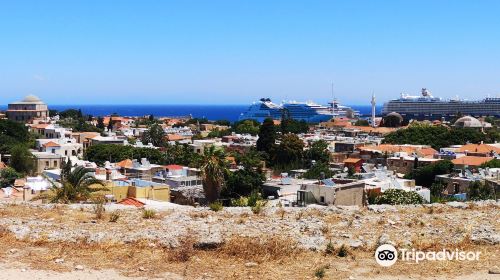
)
(387, 255)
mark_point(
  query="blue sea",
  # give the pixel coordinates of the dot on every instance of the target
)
(211, 112)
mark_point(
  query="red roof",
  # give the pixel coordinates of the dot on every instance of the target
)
(173, 167)
(51, 144)
(131, 201)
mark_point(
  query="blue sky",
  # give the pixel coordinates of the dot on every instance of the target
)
(236, 51)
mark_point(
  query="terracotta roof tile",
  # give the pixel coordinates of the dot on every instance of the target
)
(471, 160)
(131, 201)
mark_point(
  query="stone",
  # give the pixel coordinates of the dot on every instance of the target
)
(79, 267)
(13, 251)
(494, 270)
(141, 268)
(382, 208)
(355, 243)
(385, 239)
(457, 204)
(59, 260)
(251, 264)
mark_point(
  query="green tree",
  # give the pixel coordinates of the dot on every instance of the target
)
(77, 186)
(248, 178)
(7, 176)
(494, 163)
(480, 191)
(115, 153)
(318, 151)
(213, 169)
(391, 121)
(12, 134)
(247, 127)
(361, 122)
(267, 136)
(317, 170)
(66, 169)
(154, 135)
(21, 159)
(100, 123)
(110, 124)
(426, 175)
(290, 152)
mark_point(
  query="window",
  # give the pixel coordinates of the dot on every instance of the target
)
(55, 163)
(47, 163)
(322, 199)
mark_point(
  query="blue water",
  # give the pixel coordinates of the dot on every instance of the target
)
(211, 112)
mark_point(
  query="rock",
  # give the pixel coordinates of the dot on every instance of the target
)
(355, 243)
(485, 235)
(79, 267)
(494, 270)
(13, 251)
(251, 264)
(211, 241)
(23, 269)
(391, 222)
(141, 268)
(20, 232)
(382, 208)
(59, 260)
(457, 204)
(385, 239)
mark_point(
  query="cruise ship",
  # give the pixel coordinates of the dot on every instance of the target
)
(302, 111)
(427, 106)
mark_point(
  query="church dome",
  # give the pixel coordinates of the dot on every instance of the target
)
(468, 121)
(31, 98)
(397, 115)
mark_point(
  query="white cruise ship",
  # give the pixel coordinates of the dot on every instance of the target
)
(427, 106)
(301, 111)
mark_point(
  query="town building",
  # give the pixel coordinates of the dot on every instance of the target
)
(28, 109)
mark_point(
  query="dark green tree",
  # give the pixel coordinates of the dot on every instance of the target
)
(426, 175)
(100, 123)
(289, 153)
(21, 159)
(154, 135)
(7, 177)
(267, 136)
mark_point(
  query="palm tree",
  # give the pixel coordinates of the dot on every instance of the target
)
(213, 169)
(75, 186)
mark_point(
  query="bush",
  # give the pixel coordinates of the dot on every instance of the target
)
(254, 198)
(330, 249)
(257, 208)
(398, 196)
(114, 217)
(480, 191)
(216, 206)
(99, 208)
(148, 214)
(343, 251)
(239, 202)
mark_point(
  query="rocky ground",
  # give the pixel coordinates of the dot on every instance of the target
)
(235, 243)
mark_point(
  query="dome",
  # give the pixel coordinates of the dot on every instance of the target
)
(31, 98)
(397, 115)
(468, 121)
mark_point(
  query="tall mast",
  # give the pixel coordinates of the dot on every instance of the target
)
(373, 109)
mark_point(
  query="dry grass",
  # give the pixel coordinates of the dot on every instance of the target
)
(259, 249)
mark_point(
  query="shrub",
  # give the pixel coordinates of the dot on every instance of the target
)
(148, 213)
(99, 209)
(321, 271)
(343, 251)
(114, 217)
(254, 198)
(330, 249)
(398, 196)
(259, 205)
(216, 206)
(239, 202)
